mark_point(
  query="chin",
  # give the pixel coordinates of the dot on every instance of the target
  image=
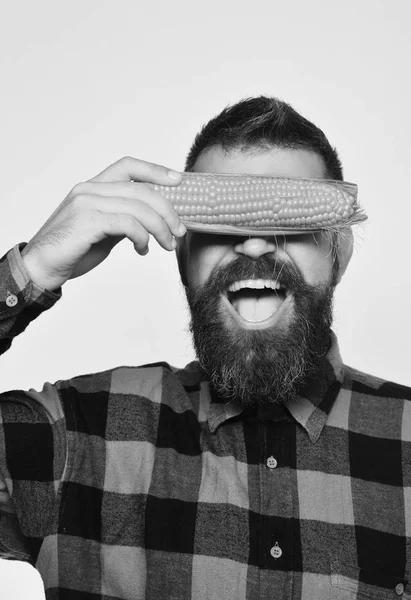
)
(260, 345)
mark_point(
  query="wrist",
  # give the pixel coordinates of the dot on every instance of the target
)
(35, 273)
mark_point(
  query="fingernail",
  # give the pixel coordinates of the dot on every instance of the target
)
(174, 175)
(182, 230)
(173, 244)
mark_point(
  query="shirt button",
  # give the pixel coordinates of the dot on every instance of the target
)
(271, 462)
(11, 300)
(276, 551)
(399, 589)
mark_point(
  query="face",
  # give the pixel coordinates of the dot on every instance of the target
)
(311, 253)
(259, 343)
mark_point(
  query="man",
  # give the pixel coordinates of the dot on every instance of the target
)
(271, 470)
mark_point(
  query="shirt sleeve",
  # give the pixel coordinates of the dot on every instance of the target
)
(21, 300)
(33, 456)
(32, 434)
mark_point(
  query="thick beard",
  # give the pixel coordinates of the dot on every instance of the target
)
(261, 366)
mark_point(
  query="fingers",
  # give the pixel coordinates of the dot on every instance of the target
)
(139, 218)
(117, 224)
(137, 194)
(134, 169)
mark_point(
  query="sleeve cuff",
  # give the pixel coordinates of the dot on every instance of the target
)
(20, 273)
(17, 289)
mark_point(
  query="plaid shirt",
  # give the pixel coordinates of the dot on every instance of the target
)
(136, 483)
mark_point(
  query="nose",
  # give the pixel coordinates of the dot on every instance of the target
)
(254, 247)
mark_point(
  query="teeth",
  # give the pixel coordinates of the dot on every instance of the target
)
(256, 284)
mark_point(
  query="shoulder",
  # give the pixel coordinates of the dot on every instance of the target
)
(126, 402)
(374, 407)
(365, 384)
(153, 381)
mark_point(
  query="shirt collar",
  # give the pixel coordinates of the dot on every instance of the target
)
(310, 409)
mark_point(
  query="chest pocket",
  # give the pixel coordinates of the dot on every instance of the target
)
(351, 583)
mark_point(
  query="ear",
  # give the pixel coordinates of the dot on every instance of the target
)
(344, 250)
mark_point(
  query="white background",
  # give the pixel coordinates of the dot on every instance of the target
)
(86, 82)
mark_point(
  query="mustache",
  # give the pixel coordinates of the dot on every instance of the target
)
(266, 267)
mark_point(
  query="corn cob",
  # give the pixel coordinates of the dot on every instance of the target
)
(252, 204)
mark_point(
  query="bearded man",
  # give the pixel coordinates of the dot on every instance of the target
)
(266, 468)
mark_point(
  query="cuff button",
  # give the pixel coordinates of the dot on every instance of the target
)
(399, 589)
(11, 300)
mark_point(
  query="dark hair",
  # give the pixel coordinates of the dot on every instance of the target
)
(264, 122)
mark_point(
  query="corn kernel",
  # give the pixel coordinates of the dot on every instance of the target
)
(255, 204)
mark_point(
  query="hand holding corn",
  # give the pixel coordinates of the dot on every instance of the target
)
(97, 215)
(134, 199)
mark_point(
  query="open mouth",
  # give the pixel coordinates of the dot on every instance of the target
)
(256, 301)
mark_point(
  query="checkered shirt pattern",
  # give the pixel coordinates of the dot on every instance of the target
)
(137, 483)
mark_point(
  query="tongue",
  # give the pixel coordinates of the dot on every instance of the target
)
(252, 308)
